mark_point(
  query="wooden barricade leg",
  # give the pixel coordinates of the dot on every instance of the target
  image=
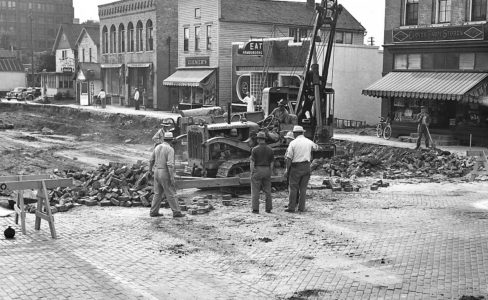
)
(44, 201)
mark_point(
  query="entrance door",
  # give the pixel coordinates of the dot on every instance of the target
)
(84, 99)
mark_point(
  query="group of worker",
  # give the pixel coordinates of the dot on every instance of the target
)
(297, 174)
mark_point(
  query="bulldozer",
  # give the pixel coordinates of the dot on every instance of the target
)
(222, 149)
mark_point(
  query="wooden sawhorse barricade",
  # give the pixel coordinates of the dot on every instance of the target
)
(41, 183)
(481, 159)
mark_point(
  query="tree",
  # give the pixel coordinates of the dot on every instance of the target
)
(47, 62)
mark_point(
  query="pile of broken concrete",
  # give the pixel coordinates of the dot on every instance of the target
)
(361, 160)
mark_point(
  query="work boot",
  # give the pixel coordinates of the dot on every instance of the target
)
(156, 215)
(289, 210)
(255, 211)
(178, 214)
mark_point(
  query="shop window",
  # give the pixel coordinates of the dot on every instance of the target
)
(121, 38)
(186, 39)
(408, 61)
(209, 37)
(466, 61)
(130, 37)
(113, 39)
(149, 36)
(427, 61)
(446, 61)
(481, 61)
(139, 39)
(444, 11)
(411, 12)
(197, 38)
(478, 10)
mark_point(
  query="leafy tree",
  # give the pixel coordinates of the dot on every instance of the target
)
(47, 62)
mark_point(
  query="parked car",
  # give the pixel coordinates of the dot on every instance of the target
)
(31, 93)
(16, 93)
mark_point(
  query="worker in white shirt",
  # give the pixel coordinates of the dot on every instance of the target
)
(102, 96)
(249, 100)
(298, 157)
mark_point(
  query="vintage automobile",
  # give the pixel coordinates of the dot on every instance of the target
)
(16, 93)
(31, 93)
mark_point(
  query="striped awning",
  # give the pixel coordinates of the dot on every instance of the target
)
(430, 85)
(188, 78)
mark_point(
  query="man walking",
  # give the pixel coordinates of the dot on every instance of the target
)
(423, 121)
(262, 166)
(249, 100)
(163, 160)
(102, 96)
(298, 157)
(136, 99)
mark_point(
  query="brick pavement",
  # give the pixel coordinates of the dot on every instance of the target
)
(381, 245)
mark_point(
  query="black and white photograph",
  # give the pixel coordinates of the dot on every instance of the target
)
(243, 149)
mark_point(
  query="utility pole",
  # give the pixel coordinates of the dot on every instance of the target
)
(371, 41)
(32, 50)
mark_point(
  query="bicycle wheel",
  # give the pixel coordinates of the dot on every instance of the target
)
(379, 131)
(387, 132)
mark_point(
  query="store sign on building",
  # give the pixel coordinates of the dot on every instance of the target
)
(436, 34)
(202, 61)
(252, 48)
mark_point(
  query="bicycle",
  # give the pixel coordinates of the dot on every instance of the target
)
(383, 129)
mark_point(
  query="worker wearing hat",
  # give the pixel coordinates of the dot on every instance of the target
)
(423, 121)
(289, 137)
(280, 113)
(262, 163)
(159, 136)
(298, 157)
(163, 162)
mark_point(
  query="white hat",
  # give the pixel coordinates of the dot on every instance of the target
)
(298, 128)
(168, 135)
(289, 135)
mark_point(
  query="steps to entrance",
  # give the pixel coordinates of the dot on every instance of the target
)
(439, 139)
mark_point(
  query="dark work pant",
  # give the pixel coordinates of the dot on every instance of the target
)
(422, 131)
(162, 184)
(261, 181)
(136, 104)
(297, 185)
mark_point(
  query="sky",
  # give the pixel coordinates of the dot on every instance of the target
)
(371, 14)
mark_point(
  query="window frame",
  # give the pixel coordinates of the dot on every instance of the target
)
(198, 13)
(186, 39)
(209, 37)
(197, 37)
(409, 20)
(446, 14)
(481, 17)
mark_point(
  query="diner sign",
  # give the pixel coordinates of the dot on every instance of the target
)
(201, 61)
(252, 48)
(435, 34)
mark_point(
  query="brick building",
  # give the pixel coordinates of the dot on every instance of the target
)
(207, 29)
(138, 49)
(436, 55)
(16, 21)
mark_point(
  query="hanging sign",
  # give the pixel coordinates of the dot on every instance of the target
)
(252, 48)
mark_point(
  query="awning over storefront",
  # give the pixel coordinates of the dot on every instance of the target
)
(139, 65)
(430, 85)
(110, 66)
(188, 78)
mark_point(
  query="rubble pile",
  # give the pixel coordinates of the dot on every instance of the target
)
(360, 160)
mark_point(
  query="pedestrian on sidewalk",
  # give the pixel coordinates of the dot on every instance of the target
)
(136, 99)
(298, 157)
(163, 161)
(423, 121)
(250, 101)
(102, 96)
(262, 167)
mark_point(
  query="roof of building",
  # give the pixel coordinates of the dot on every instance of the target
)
(93, 32)
(279, 12)
(72, 32)
(92, 71)
(11, 64)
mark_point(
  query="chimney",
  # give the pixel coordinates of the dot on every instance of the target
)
(310, 3)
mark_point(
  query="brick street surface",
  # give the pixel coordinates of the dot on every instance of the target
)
(422, 242)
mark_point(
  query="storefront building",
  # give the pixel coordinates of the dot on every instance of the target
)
(436, 55)
(60, 83)
(207, 30)
(138, 50)
(88, 80)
